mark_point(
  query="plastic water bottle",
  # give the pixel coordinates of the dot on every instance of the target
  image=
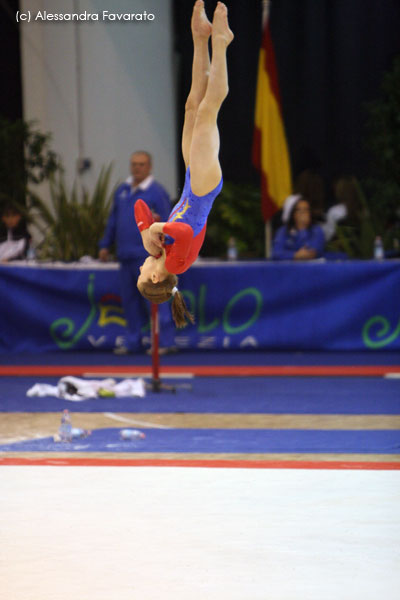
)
(65, 429)
(379, 253)
(132, 434)
(79, 434)
(232, 252)
(31, 254)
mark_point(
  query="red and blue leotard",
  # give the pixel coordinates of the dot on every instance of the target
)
(186, 225)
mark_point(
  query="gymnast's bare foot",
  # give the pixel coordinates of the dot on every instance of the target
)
(220, 26)
(201, 26)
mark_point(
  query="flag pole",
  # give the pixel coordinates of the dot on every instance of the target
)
(265, 12)
(269, 140)
(268, 239)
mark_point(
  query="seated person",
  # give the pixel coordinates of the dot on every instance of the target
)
(298, 239)
(347, 209)
(14, 235)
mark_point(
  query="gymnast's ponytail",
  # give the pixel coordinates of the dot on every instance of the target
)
(179, 309)
(161, 292)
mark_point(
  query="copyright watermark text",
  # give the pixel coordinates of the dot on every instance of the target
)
(105, 15)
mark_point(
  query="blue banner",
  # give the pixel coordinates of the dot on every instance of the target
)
(272, 306)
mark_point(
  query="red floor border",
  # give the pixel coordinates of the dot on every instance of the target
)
(220, 464)
(204, 370)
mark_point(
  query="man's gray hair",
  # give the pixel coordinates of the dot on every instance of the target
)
(149, 156)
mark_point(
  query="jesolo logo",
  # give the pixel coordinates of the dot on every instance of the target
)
(378, 332)
(233, 320)
(66, 333)
(111, 311)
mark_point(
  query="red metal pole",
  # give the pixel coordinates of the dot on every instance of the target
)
(155, 357)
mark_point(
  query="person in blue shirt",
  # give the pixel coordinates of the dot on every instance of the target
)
(130, 250)
(298, 239)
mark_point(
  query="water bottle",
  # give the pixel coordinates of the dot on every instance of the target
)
(79, 434)
(31, 254)
(132, 434)
(232, 252)
(378, 248)
(65, 429)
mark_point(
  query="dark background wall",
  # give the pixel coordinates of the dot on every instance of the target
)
(10, 64)
(236, 116)
(331, 55)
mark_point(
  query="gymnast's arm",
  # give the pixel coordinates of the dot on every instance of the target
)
(178, 253)
(144, 220)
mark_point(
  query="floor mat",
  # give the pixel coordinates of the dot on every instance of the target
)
(224, 441)
(306, 395)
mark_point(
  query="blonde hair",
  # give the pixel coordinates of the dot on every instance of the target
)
(161, 292)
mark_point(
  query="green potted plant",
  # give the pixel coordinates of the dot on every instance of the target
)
(26, 158)
(236, 214)
(378, 194)
(75, 221)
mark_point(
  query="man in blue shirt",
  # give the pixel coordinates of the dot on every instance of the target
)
(121, 229)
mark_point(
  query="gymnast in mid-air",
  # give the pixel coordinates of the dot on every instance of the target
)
(186, 225)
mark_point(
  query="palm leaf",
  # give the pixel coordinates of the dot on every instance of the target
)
(76, 219)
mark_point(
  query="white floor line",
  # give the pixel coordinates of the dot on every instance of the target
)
(25, 438)
(14, 439)
(135, 421)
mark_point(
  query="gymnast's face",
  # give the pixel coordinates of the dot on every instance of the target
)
(153, 270)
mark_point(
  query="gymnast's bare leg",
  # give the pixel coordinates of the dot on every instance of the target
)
(205, 170)
(201, 31)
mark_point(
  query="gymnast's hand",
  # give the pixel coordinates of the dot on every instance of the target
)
(156, 234)
(152, 248)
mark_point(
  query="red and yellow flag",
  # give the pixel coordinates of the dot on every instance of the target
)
(270, 151)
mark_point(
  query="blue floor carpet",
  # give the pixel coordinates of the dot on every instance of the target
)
(280, 395)
(225, 441)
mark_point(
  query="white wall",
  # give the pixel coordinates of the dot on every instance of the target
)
(127, 96)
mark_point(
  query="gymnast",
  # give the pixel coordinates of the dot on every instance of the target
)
(187, 222)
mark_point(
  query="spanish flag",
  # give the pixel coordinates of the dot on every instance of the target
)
(270, 152)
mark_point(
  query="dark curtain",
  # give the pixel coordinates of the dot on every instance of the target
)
(236, 116)
(10, 62)
(331, 55)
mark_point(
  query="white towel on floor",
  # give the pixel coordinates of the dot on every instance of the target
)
(75, 389)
